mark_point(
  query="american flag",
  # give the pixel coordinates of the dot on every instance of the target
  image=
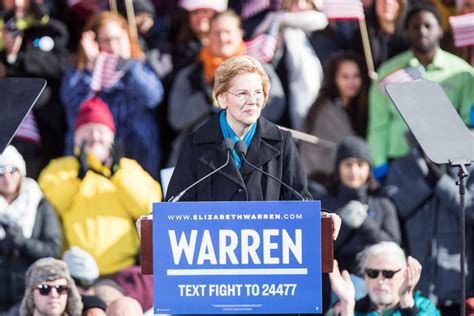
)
(253, 7)
(263, 46)
(402, 75)
(463, 29)
(108, 70)
(28, 130)
(343, 9)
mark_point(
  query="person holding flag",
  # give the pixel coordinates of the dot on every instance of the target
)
(110, 64)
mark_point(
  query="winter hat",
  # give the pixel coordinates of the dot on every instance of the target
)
(94, 110)
(353, 147)
(49, 269)
(144, 6)
(82, 265)
(12, 157)
(138, 6)
(191, 5)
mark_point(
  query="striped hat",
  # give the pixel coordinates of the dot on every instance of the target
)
(216, 5)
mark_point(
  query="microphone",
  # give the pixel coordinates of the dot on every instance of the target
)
(227, 145)
(241, 149)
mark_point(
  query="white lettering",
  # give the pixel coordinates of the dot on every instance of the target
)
(295, 246)
(206, 251)
(183, 245)
(227, 250)
(268, 246)
(250, 249)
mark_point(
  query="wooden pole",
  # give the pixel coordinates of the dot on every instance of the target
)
(309, 138)
(367, 52)
(131, 18)
(113, 6)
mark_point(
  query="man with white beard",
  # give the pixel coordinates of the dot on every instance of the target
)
(390, 278)
(98, 194)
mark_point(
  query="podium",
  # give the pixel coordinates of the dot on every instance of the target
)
(146, 231)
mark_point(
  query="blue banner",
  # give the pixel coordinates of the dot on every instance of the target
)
(237, 257)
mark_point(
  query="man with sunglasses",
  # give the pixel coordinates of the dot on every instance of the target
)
(50, 290)
(390, 278)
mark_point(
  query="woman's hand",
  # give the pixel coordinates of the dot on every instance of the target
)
(336, 223)
(91, 48)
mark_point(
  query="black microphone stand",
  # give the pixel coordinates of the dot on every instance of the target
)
(462, 174)
(227, 144)
(241, 149)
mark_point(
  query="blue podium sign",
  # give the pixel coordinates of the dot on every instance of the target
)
(237, 257)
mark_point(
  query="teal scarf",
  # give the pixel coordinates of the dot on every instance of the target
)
(227, 132)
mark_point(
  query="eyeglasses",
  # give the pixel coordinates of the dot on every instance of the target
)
(45, 289)
(374, 273)
(244, 96)
(7, 169)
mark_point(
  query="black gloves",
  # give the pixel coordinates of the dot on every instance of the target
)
(13, 239)
(116, 153)
(14, 231)
(88, 162)
(81, 157)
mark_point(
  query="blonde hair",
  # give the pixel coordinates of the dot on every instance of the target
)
(235, 66)
(95, 23)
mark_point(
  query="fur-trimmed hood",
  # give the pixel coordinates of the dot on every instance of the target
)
(49, 269)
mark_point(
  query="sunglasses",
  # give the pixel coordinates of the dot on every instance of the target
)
(45, 289)
(7, 169)
(374, 273)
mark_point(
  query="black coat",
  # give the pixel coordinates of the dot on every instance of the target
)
(271, 149)
(45, 241)
(381, 224)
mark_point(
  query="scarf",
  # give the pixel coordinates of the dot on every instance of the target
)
(23, 209)
(227, 132)
(211, 62)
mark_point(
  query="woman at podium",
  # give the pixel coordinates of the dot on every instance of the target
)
(240, 91)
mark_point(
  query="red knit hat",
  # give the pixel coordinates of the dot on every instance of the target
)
(94, 110)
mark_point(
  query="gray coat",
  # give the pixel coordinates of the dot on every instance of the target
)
(45, 241)
(430, 217)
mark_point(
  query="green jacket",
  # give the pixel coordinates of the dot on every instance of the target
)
(386, 128)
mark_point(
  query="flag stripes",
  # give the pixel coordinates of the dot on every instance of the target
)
(463, 29)
(343, 9)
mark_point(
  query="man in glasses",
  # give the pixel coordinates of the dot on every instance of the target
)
(50, 290)
(390, 278)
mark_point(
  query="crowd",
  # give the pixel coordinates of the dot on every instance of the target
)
(121, 100)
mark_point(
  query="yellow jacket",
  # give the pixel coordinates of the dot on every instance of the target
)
(98, 214)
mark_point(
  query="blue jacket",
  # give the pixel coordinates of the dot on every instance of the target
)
(132, 101)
